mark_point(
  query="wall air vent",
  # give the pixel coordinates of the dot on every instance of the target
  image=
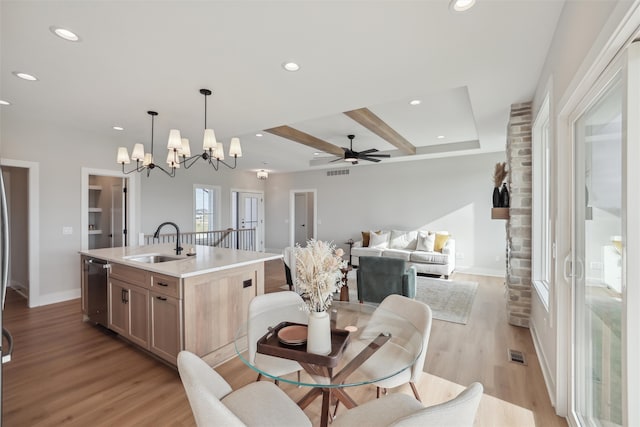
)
(335, 172)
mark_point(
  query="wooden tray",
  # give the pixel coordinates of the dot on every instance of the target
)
(270, 345)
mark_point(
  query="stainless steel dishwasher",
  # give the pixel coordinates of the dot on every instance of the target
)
(95, 271)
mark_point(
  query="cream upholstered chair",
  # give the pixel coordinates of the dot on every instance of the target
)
(401, 410)
(417, 313)
(267, 311)
(213, 403)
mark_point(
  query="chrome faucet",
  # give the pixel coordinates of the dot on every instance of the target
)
(157, 234)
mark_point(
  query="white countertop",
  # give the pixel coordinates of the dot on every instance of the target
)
(206, 260)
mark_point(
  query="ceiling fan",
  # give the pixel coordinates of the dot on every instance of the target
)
(354, 156)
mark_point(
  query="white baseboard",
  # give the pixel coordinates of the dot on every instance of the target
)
(480, 271)
(544, 366)
(56, 297)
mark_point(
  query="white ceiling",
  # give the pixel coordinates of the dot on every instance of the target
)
(466, 68)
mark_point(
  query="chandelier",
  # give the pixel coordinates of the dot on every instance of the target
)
(179, 151)
(144, 160)
(213, 151)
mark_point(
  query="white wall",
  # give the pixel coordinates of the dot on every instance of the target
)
(582, 31)
(61, 154)
(451, 194)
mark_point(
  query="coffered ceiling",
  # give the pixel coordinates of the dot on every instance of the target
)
(362, 62)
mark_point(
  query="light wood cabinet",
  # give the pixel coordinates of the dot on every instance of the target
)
(129, 303)
(215, 306)
(165, 314)
(166, 326)
(129, 311)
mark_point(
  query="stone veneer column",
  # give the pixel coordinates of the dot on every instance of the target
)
(518, 277)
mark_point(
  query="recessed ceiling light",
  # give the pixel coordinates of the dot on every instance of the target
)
(25, 76)
(64, 33)
(440, 136)
(316, 154)
(258, 135)
(415, 102)
(3, 102)
(461, 5)
(118, 128)
(290, 66)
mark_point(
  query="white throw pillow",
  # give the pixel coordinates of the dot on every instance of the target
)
(398, 239)
(380, 241)
(426, 241)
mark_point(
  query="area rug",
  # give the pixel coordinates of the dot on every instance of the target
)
(449, 300)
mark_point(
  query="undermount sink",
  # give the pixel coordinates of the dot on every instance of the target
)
(152, 258)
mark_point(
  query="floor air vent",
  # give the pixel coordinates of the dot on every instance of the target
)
(516, 356)
(335, 172)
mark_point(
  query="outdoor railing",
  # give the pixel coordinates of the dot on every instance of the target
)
(243, 239)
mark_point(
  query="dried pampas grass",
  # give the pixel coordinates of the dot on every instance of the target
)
(499, 174)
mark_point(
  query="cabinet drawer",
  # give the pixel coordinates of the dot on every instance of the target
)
(166, 285)
(129, 274)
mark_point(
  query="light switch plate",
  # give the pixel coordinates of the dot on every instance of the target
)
(67, 230)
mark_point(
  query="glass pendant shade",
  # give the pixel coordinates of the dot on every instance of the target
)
(234, 149)
(209, 142)
(186, 149)
(219, 154)
(138, 152)
(148, 159)
(175, 141)
(123, 155)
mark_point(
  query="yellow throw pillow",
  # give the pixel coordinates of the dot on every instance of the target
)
(441, 240)
(365, 239)
(366, 235)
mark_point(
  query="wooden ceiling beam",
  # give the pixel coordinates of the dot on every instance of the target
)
(306, 139)
(375, 124)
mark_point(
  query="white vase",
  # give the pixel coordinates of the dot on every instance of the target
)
(319, 333)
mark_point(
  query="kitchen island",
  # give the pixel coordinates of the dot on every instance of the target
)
(194, 303)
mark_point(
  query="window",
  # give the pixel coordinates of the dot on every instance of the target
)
(541, 229)
(206, 208)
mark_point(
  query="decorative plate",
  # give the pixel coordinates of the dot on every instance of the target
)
(293, 335)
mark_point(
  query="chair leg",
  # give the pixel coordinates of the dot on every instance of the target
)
(259, 377)
(415, 391)
(378, 389)
(277, 383)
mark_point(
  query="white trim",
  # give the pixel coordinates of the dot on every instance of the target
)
(34, 226)
(218, 191)
(544, 365)
(59, 297)
(261, 213)
(292, 214)
(593, 65)
(132, 200)
(631, 248)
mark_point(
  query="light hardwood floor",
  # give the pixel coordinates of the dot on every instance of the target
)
(68, 372)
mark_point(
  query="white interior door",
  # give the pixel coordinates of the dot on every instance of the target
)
(300, 235)
(251, 215)
(605, 346)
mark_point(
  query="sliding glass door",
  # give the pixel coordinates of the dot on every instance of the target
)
(605, 201)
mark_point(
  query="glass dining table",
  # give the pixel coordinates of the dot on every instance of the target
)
(369, 344)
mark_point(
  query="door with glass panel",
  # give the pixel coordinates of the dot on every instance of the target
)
(603, 207)
(250, 217)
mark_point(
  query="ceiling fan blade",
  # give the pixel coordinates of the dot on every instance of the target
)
(336, 159)
(370, 159)
(380, 155)
(370, 150)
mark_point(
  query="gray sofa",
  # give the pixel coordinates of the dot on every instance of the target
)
(412, 247)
